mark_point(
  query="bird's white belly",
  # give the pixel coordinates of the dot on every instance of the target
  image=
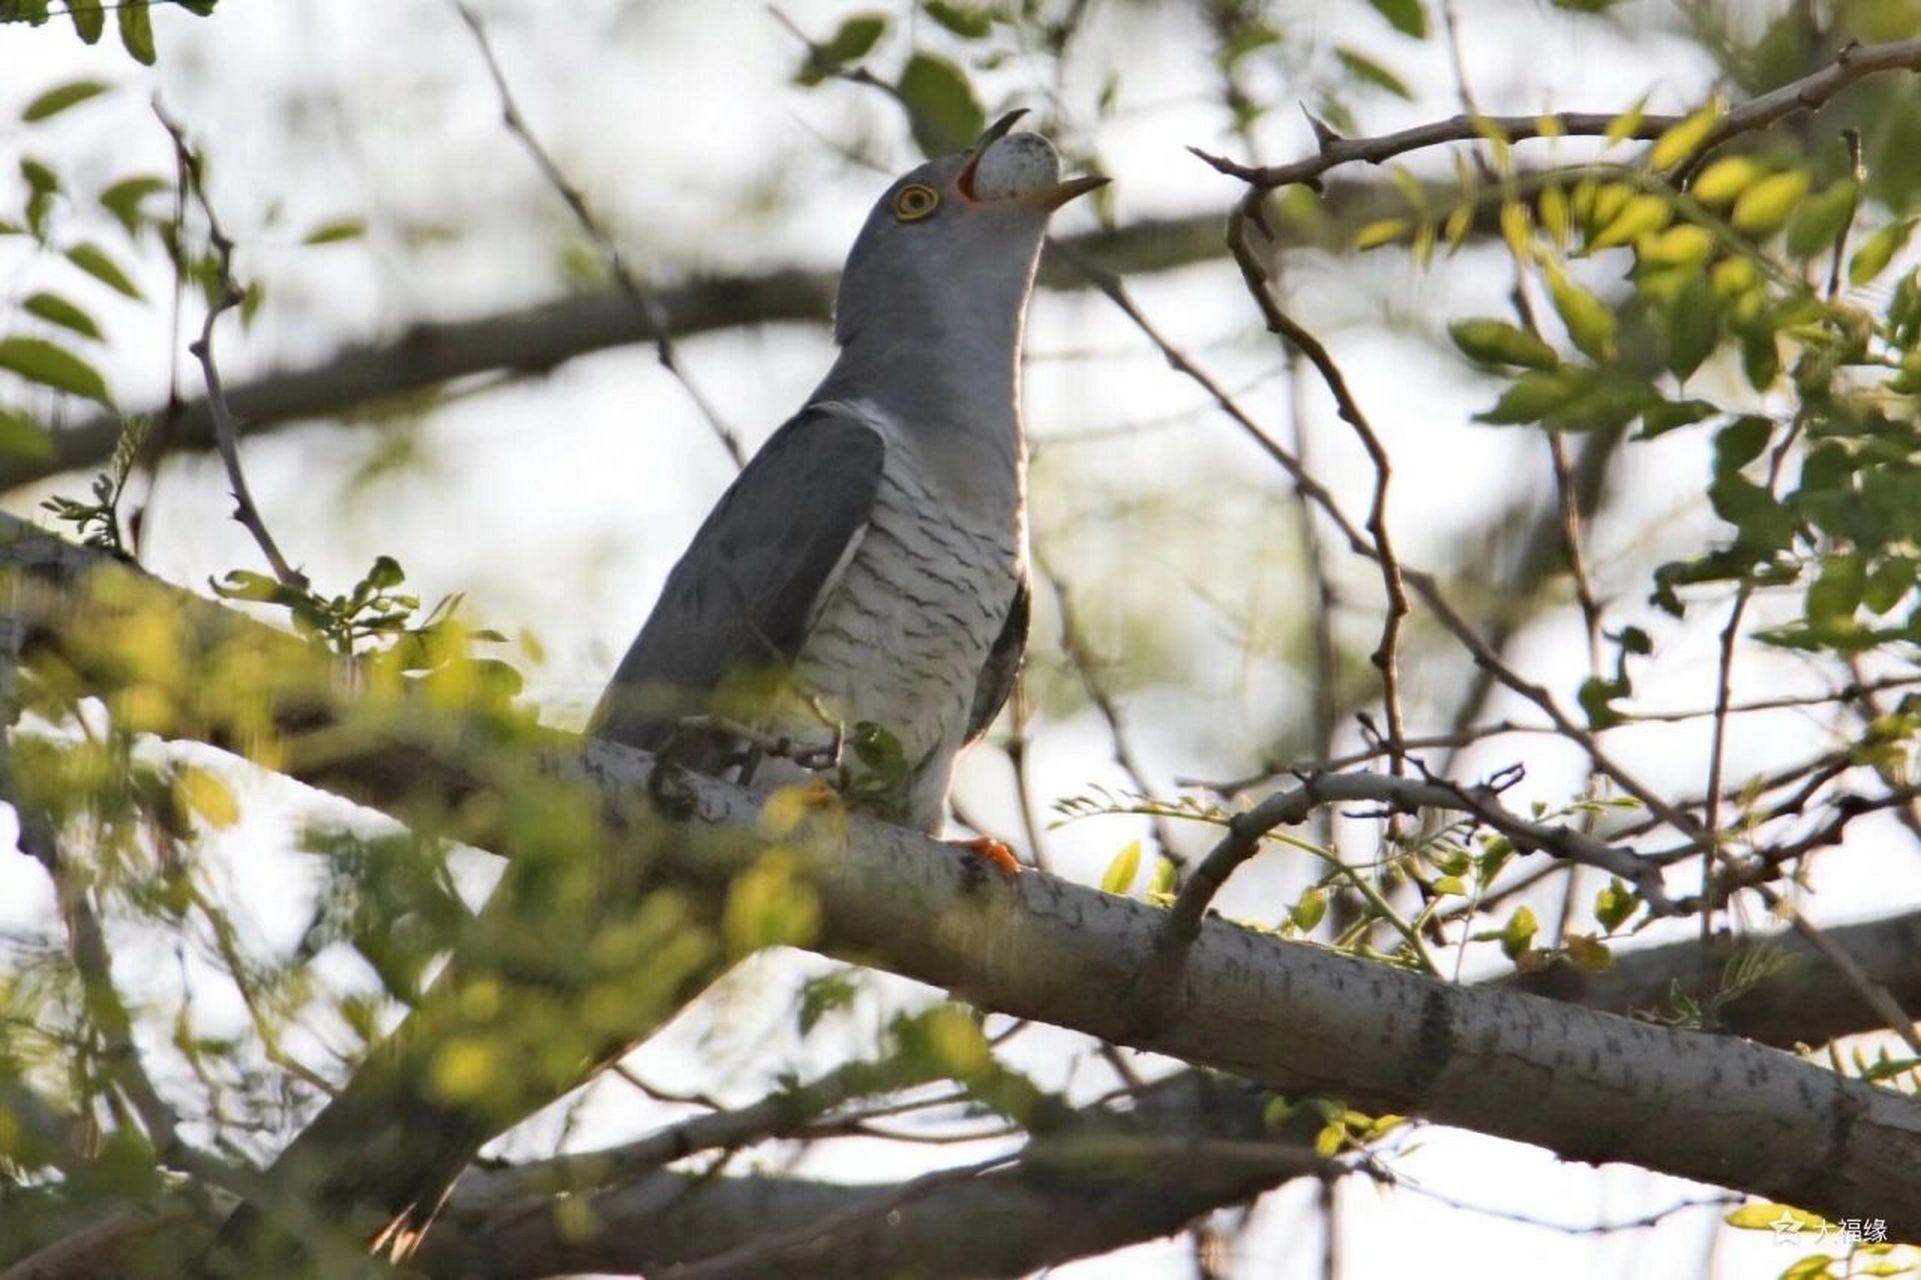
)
(902, 638)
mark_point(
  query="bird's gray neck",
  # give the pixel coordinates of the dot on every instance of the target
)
(950, 383)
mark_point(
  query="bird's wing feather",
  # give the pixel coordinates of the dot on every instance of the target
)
(1003, 666)
(749, 587)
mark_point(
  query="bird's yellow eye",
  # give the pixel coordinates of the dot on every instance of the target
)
(914, 202)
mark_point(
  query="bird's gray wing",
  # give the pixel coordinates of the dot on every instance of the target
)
(1003, 666)
(742, 598)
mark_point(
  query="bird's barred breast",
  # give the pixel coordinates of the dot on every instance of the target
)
(929, 594)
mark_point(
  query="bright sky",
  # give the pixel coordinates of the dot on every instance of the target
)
(559, 504)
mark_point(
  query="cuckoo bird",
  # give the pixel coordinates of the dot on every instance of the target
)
(868, 566)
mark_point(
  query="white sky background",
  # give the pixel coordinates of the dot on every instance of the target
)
(558, 504)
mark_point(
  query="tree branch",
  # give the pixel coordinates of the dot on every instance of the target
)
(1590, 1086)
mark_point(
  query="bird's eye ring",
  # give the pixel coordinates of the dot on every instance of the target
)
(914, 202)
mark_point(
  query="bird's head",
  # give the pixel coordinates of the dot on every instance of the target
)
(951, 246)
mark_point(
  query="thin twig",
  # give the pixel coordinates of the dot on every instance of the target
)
(226, 431)
(1853, 63)
(1386, 656)
(642, 301)
(1291, 806)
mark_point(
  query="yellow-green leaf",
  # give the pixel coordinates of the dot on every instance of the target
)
(59, 98)
(1677, 246)
(1589, 322)
(1872, 258)
(1554, 211)
(207, 795)
(1763, 207)
(1765, 1216)
(1493, 341)
(1681, 141)
(1639, 216)
(57, 310)
(93, 260)
(1309, 911)
(1376, 234)
(51, 366)
(1723, 180)
(1626, 123)
(1120, 873)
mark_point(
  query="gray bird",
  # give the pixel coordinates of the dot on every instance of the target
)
(867, 566)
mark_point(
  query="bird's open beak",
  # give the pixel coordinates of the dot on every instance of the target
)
(1051, 198)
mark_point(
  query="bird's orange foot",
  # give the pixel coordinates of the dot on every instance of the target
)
(992, 851)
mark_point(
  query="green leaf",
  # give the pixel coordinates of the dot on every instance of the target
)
(93, 260)
(1594, 696)
(57, 310)
(1498, 342)
(857, 35)
(336, 231)
(1690, 323)
(1368, 71)
(965, 21)
(1765, 525)
(1615, 905)
(1406, 16)
(52, 366)
(1819, 222)
(136, 30)
(1120, 873)
(123, 199)
(1309, 911)
(1664, 416)
(1534, 395)
(22, 437)
(1760, 359)
(1763, 207)
(945, 114)
(1589, 322)
(1872, 258)
(59, 98)
(1889, 584)
(1519, 933)
(89, 19)
(1741, 442)
(1836, 592)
